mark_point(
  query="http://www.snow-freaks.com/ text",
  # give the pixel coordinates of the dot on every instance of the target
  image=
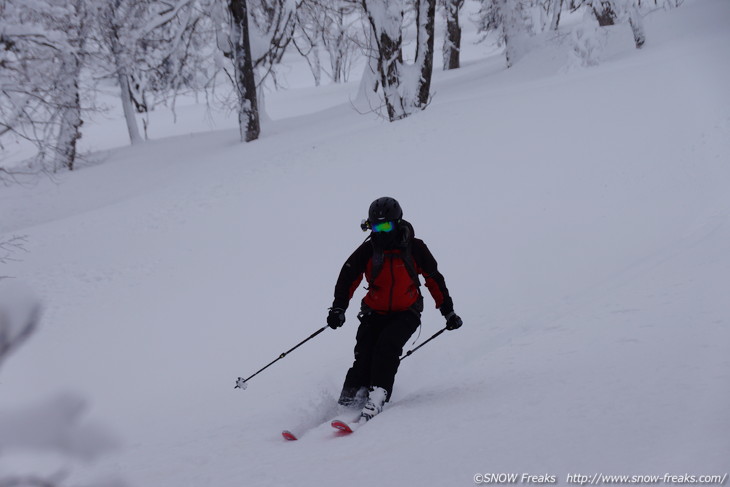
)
(601, 479)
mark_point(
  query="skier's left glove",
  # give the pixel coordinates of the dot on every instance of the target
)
(336, 318)
(453, 321)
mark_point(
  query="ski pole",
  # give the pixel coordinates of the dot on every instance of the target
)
(241, 382)
(408, 354)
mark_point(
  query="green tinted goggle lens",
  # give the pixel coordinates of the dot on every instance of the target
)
(383, 227)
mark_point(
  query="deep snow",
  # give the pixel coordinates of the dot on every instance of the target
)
(581, 218)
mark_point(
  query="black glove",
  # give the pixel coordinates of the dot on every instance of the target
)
(336, 318)
(453, 321)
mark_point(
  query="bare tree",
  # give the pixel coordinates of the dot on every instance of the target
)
(116, 21)
(611, 12)
(333, 28)
(10, 246)
(254, 35)
(149, 46)
(68, 88)
(340, 38)
(517, 22)
(452, 39)
(309, 34)
(425, 23)
(244, 78)
(516, 29)
(386, 20)
(509, 19)
(41, 54)
(405, 88)
(555, 7)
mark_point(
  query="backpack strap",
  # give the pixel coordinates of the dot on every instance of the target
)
(407, 253)
(409, 262)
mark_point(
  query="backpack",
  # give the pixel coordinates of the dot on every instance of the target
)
(405, 246)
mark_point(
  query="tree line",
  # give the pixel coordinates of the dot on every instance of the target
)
(55, 55)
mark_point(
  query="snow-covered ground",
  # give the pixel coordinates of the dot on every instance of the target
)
(581, 218)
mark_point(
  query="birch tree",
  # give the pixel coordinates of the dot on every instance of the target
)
(405, 88)
(41, 55)
(425, 23)
(510, 18)
(331, 29)
(254, 35)
(68, 88)
(555, 7)
(309, 32)
(452, 39)
(243, 79)
(146, 47)
(516, 22)
(611, 12)
(117, 22)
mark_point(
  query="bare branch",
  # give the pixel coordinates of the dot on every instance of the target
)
(14, 245)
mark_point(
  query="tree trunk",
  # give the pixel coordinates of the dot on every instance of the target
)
(637, 27)
(123, 80)
(424, 54)
(316, 64)
(68, 87)
(340, 48)
(390, 76)
(605, 12)
(511, 24)
(248, 113)
(70, 120)
(557, 7)
(137, 94)
(452, 40)
(128, 108)
(386, 19)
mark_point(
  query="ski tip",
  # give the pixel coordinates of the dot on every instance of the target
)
(341, 426)
(288, 435)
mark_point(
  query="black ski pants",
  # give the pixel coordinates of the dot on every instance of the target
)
(380, 342)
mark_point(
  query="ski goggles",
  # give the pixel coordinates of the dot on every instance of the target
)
(382, 227)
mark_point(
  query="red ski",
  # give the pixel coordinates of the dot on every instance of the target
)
(288, 435)
(345, 428)
(345, 423)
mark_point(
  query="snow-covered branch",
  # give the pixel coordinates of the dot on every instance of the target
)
(54, 425)
(164, 16)
(40, 62)
(19, 315)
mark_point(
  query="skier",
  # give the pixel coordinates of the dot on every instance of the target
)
(391, 260)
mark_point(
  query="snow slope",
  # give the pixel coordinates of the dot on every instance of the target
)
(581, 219)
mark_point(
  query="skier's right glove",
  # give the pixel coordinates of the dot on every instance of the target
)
(453, 321)
(336, 318)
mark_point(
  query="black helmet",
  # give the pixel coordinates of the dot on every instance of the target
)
(384, 209)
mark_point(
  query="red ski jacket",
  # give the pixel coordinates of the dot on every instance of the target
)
(394, 287)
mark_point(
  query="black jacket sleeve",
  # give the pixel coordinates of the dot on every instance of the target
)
(435, 282)
(351, 275)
